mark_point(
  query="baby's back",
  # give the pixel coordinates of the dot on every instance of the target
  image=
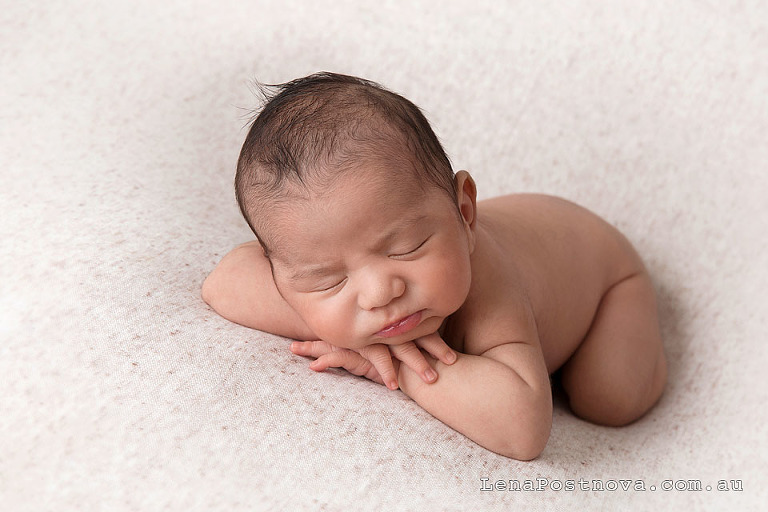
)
(563, 257)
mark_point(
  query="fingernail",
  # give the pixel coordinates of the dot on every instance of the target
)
(392, 385)
(431, 375)
(294, 346)
(451, 357)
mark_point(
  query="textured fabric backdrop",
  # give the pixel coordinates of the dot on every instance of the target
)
(120, 124)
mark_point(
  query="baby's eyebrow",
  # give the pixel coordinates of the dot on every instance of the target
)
(406, 224)
(311, 272)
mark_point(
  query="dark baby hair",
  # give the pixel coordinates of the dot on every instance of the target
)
(312, 129)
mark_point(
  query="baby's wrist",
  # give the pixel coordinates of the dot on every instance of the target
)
(404, 375)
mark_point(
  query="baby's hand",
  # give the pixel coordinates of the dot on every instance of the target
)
(331, 356)
(375, 362)
(411, 354)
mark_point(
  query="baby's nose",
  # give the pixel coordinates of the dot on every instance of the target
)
(379, 290)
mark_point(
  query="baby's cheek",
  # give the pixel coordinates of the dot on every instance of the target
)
(331, 324)
(451, 278)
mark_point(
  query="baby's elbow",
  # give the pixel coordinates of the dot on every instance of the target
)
(524, 448)
(214, 293)
(208, 290)
(525, 436)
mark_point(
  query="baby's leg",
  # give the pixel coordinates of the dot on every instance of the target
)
(619, 370)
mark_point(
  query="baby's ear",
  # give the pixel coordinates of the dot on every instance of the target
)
(466, 195)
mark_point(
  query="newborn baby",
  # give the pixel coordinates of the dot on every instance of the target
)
(376, 254)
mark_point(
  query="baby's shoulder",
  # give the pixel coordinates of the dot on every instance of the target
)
(535, 208)
(543, 228)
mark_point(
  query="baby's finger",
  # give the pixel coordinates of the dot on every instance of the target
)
(412, 357)
(437, 348)
(380, 358)
(347, 359)
(311, 348)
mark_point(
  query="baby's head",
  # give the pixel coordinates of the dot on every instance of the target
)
(357, 208)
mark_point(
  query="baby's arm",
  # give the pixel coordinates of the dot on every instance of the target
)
(242, 290)
(500, 399)
(375, 361)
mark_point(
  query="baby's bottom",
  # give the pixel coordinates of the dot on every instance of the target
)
(619, 370)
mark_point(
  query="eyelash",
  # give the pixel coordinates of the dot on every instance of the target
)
(332, 286)
(413, 250)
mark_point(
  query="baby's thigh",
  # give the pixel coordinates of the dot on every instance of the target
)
(619, 370)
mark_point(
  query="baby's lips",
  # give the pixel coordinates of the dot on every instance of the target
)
(402, 326)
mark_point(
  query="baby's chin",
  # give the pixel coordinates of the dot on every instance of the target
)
(429, 326)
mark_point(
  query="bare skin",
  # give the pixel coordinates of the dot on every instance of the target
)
(517, 286)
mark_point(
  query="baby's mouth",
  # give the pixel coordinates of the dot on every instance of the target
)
(402, 326)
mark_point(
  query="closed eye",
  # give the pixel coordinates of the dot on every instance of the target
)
(332, 287)
(412, 251)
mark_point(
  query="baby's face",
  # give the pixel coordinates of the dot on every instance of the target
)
(375, 260)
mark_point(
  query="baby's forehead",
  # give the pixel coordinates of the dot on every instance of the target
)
(395, 178)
